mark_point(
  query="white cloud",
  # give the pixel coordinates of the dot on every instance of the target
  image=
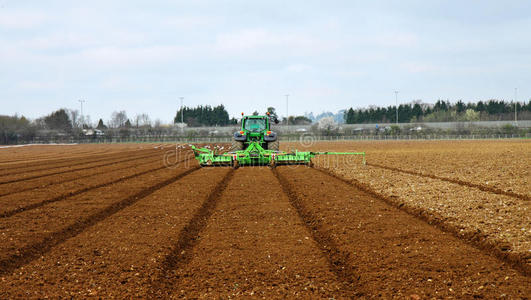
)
(123, 82)
(247, 54)
(114, 82)
(247, 39)
(111, 56)
(416, 67)
(189, 22)
(264, 41)
(39, 85)
(70, 39)
(404, 39)
(21, 20)
(297, 68)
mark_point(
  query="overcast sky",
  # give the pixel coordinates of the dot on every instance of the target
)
(141, 56)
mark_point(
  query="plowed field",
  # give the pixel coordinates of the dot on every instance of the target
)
(146, 221)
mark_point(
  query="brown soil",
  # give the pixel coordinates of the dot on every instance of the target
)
(137, 228)
(37, 169)
(254, 244)
(493, 164)
(394, 253)
(18, 158)
(493, 217)
(41, 178)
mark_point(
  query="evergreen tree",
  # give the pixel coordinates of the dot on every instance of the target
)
(480, 106)
(441, 111)
(417, 111)
(350, 116)
(203, 116)
(101, 126)
(460, 106)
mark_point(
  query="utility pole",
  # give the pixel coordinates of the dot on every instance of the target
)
(81, 101)
(515, 109)
(396, 100)
(287, 112)
(182, 114)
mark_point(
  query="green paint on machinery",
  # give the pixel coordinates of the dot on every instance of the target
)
(255, 155)
(256, 145)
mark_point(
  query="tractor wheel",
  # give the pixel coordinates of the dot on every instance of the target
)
(236, 146)
(274, 145)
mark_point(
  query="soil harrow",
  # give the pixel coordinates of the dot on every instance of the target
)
(255, 155)
(256, 145)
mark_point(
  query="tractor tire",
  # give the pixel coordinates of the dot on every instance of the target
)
(274, 145)
(236, 146)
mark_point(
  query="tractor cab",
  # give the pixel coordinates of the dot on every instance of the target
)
(255, 129)
(255, 124)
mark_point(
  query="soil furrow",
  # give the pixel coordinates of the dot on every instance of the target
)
(456, 181)
(397, 254)
(39, 185)
(116, 258)
(339, 261)
(73, 170)
(188, 236)
(477, 239)
(68, 162)
(253, 245)
(35, 205)
(39, 158)
(30, 226)
(145, 225)
(58, 158)
(60, 154)
(31, 252)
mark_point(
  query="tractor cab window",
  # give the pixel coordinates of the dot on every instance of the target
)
(255, 125)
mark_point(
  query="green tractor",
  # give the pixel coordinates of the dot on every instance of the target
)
(256, 145)
(256, 129)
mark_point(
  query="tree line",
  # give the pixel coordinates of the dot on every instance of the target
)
(441, 111)
(70, 123)
(66, 122)
(218, 116)
(204, 116)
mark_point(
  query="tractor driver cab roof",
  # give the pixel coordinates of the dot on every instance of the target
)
(254, 117)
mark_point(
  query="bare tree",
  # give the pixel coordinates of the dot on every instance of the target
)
(157, 126)
(327, 125)
(87, 122)
(118, 119)
(142, 120)
(74, 116)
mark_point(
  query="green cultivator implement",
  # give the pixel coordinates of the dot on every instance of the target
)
(255, 155)
(256, 145)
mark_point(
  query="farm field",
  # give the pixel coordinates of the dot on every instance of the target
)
(481, 190)
(143, 220)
